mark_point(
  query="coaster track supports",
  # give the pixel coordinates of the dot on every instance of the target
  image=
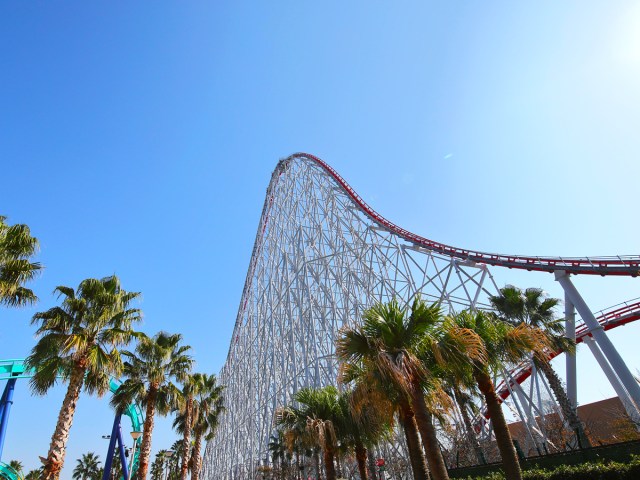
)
(624, 397)
(5, 408)
(116, 436)
(570, 329)
(604, 343)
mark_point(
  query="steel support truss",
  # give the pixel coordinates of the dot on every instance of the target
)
(320, 258)
(317, 264)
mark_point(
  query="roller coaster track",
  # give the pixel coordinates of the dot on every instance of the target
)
(610, 318)
(321, 257)
(628, 265)
(620, 265)
(15, 369)
(9, 473)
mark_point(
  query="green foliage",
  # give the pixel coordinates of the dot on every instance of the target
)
(87, 467)
(151, 368)
(17, 246)
(84, 333)
(34, 474)
(586, 471)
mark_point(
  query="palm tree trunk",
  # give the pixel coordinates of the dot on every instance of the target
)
(186, 440)
(329, 467)
(57, 448)
(145, 449)
(413, 442)
(196, 460)
(372, 464)
(471, 434)
(507, 450)
(316, 461)
(424, 420)
(568, 410)
(361, 458)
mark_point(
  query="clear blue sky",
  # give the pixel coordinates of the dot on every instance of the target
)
(138, 138)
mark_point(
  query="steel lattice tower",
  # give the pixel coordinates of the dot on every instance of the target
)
(321, 257)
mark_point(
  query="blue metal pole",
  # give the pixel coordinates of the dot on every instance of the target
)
(123, 457)
(112, 447)
(4, 396)
(7, 401)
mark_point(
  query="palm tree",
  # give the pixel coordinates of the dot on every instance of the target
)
(366, 419)
(16, 465)
(33, 474)
(17, 246)
(157, 467)
(404, 348)
(279, 453)
(462, 389)
(534, 308)
(363, 372)
(191, 386)
(177, 453)
(79, 342)
(320, 413)
(503, 343)
(208, 407)
(88, 467)
(299, 441)
(150, 372)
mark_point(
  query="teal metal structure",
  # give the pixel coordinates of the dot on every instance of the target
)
(13, 369)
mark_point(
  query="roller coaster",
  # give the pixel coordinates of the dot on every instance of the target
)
(321, 257)
(13, 370)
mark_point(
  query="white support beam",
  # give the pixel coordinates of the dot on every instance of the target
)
(599, 335)
(570, 333)
(624, 397)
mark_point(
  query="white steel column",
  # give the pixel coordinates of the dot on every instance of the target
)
(624, 397)
(599, 335)
(570, 333)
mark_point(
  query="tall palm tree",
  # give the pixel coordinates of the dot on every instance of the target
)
(462, 389)
(177, 449)
(88, 467)
(404, 348)
(300, 442)
(191, 386)
(157, 467)
(503, 344)
(208, 408)
(320, 412)
(79, 341)
(150, 371)
(533, 307)
(366, 419)
(362, 371)
(17, 246)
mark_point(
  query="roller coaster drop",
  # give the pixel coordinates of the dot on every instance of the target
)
(321, 257)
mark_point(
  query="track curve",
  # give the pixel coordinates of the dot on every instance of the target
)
(610, 318)
(622, 265)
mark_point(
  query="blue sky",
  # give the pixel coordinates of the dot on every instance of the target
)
(139, 138)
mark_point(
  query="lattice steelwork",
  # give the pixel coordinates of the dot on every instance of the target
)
(321, 257)
(318, 262)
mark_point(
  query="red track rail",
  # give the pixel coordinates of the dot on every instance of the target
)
(626, 265)
(611, 318)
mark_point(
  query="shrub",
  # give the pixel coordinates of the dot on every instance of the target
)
(586, 471)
